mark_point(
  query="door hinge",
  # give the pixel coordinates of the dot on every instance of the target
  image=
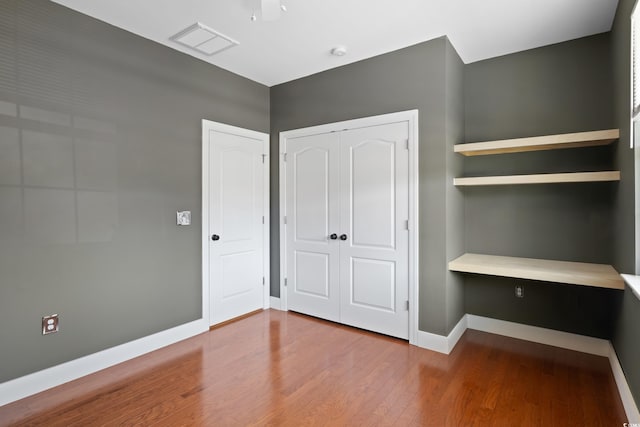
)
(263, 281)
(285, 156)
(407, 305)
(263, 157)
(284, 220)
(263, 219)
(285, 281)
(406, 224)
(406, 144)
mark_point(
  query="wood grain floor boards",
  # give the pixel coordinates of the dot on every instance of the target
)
(286, 369)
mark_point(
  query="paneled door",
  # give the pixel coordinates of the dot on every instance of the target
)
(374, 269)
(347, 206)
(313, 198)
(236, 222)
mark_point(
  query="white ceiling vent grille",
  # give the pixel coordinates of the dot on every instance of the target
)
(203, 39)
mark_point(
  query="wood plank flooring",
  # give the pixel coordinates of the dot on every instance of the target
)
(285, 369)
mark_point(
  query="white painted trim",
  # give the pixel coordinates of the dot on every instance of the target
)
(633, 282)
(36, 382)
(411, 116)
(282, 193)
(207, 126)
(401, 116)
(630, 407)
(275, 303)
(414, 231)
(266, 230)
(457, 332)
(551, 337)
(433, 342)
(440, 343)
(206, 296)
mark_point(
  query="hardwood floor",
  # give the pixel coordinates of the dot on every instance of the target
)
(277, 368)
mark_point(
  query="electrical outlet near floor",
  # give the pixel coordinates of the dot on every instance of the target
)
(519, 291)
(50, 324)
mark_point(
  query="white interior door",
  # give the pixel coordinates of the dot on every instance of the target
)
(374, 266)
(235, 234)
(313, 176)
(347, 238)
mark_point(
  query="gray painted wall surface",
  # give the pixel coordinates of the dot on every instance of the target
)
(454, 216)
(564, 87)
(561, 88)
(410, 78)
(626, 337)
(100, 140)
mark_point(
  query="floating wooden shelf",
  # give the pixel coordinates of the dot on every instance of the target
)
(545, 178)
(575, 273)
(539, 143)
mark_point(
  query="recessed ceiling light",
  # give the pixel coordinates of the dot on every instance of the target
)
(203, 39)
(339, 51)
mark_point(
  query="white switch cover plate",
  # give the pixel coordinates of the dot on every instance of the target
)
(183, 217)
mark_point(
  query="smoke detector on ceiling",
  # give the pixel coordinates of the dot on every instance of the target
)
(339, 51)
(203, 39)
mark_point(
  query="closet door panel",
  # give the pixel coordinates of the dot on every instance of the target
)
(372, 214)
(312, 216)
(374, 207)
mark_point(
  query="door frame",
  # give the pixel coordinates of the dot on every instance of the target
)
(207, 126)
(410, 116)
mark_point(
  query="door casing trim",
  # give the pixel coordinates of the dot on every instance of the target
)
(207, 126)
(410, 116)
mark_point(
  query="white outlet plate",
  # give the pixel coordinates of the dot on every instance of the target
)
(183, 217)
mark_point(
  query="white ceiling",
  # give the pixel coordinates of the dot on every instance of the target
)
(298, 44)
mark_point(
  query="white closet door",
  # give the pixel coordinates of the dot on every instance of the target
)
(374, 280)
(235, 221)
(313, 175)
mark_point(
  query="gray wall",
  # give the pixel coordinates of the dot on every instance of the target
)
(560, 88)
(415, 77)
(626, 337)
(454, 215)
(100, 140)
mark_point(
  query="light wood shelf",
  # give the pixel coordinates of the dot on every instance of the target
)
(539, 143)
(575, 273)
(545, 178)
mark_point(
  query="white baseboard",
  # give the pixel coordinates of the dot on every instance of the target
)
(36, 382)
(551, 337)
(440, 343)
(275, 303)
(630, 407)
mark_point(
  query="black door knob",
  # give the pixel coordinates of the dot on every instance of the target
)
(343, 237)
(334, 236)
(215, 237)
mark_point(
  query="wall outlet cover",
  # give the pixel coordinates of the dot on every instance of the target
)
(183, 217)
(50, 324)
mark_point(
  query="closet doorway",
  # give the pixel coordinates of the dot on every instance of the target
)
(349, 222)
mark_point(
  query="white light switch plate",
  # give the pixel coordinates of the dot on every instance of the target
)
(183, 217)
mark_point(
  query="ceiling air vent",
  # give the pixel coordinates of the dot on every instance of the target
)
(203, 39)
